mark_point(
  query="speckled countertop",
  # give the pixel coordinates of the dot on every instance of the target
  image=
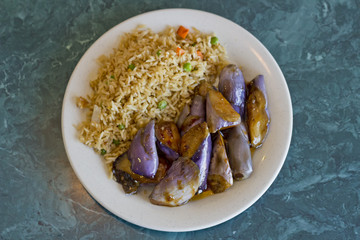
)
(317, 193)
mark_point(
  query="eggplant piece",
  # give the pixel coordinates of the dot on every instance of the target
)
(202, 158)
(196, 144)
(168, 138)
(258, 116)
(129, 185)
(192, 139)
(123, 164)
(203, 88)
(184, 113)
(198, 106)
(168, 153)
(232, 86)
(219, 112)
(220, 177)
(190, 122)
(142, 152)
(179, 185)
(196, 116)
(122, 176)
(239, 152)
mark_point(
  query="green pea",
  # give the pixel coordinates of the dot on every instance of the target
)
(121, 126)
(162, 104)
(116, 142)
(214, 41)
(158, 52)
(131, 66)
(103, 151)
(187, 67)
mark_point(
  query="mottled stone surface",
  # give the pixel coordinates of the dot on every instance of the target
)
(317, 193)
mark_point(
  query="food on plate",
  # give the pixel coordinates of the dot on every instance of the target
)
(220, 114)
(179, 185)
(258, 117)
(168, 139)
(192, 139)
(129, 180)
(220, 177)
(232, 86)
(196, 114)
(189, 122)
(198, 106)
(202, 159)
(143, 79)
(239, 153)
(168, 110)
(183, 114)
(143, 153)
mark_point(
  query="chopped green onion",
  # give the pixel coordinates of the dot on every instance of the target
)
(116, 142)
(162, 104)
(131, 66)
(103, 151)
(214, 40)
(187, 67)
(193, 44)
(112, 76)
(158, 52)
(121, 126)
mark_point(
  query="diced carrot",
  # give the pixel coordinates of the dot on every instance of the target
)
(180, 51)
(201, 56)
(182, 32)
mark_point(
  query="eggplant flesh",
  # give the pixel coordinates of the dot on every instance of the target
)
(178, 186)
(142, 152)
(168, 138)
(220, 177)
(202, 159)
(239, 153)
(192, 139)
(120, 170)
(258, 117)
(232, 86)
(190, 122)
(219, 112)
(183, 114)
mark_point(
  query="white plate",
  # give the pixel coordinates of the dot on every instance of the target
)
(243, 49)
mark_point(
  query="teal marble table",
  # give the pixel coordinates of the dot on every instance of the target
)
(317, 193)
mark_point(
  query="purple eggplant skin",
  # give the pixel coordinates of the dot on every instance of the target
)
(220, 176)
(202, 158)
(184, 113)
(179, 185)
(198, 106)
(142, 152)
(122, 163)
(239, 154)
(220, 114)
(258, 116)
(168, 139)
(168, 153)
(232, 86)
